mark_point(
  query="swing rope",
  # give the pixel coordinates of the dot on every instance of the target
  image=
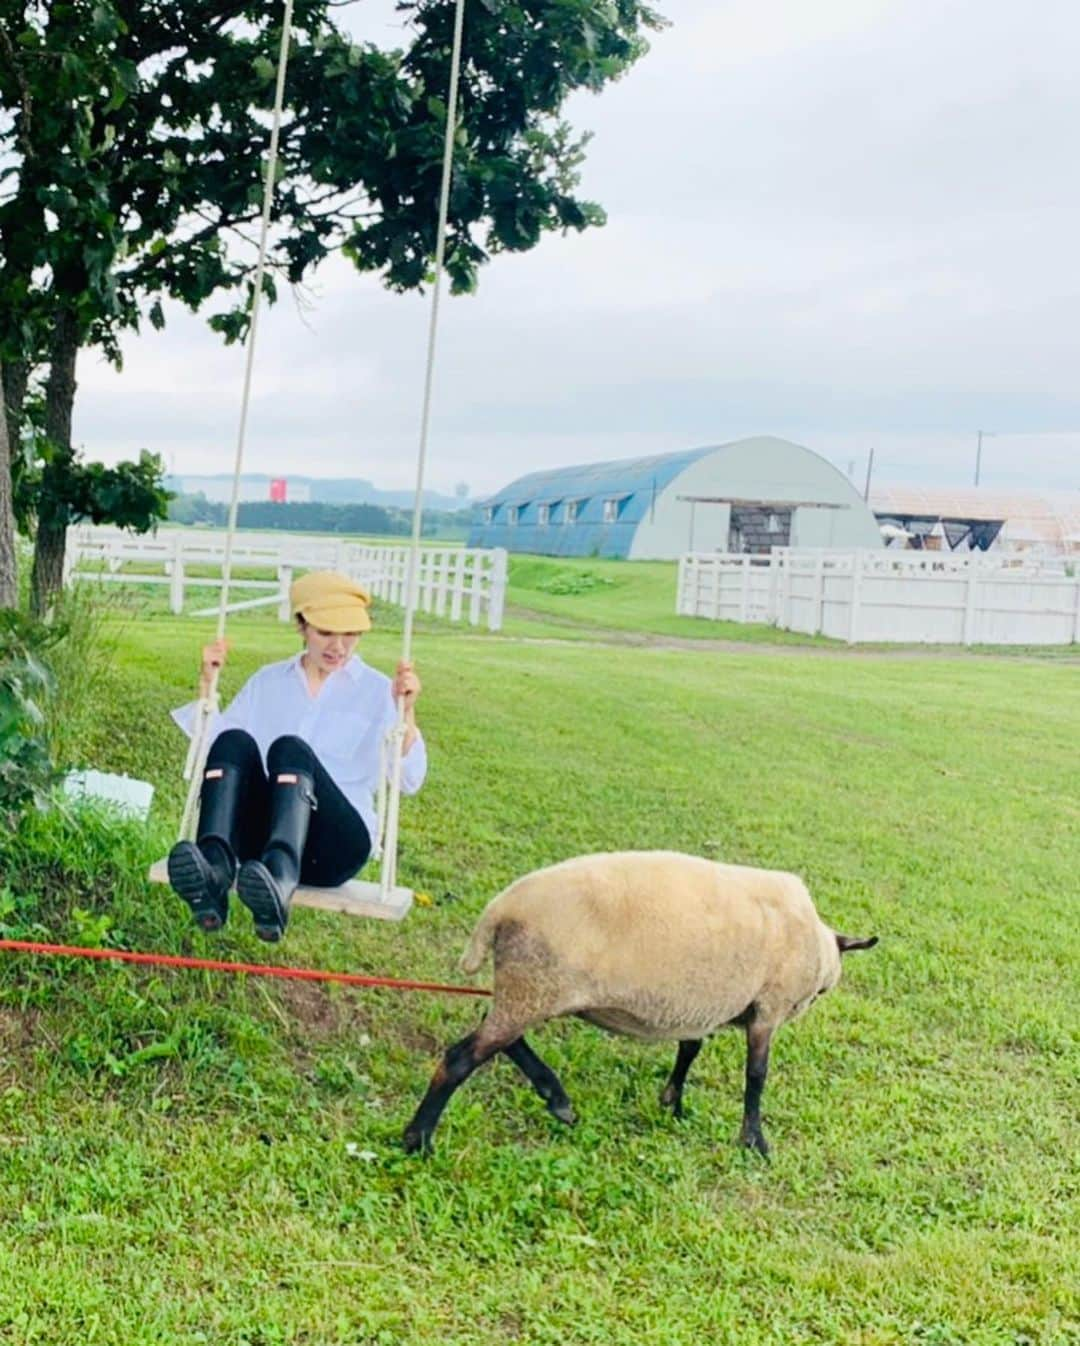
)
(393, 805)
(209, 703)
(389, 788)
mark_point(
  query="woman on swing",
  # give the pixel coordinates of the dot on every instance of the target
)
(288, 794)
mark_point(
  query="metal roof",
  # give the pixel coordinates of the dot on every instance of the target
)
(609, 479)
(1031, 518)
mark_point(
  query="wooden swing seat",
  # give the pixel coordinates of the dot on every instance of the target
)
(355, 898)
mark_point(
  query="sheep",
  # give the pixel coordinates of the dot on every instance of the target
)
(651, 944)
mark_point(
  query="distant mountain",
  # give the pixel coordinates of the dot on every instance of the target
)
(328, 490)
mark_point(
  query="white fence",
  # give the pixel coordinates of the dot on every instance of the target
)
(915, 597)
(458, 583)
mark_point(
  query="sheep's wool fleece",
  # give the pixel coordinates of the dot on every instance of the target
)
(658, 944)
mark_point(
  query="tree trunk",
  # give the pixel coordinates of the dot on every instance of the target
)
(9, 574)
(14, 379)
(47, 578)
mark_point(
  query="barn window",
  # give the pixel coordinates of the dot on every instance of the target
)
(613, 508)
(489, 514)
(512, 512)
(543, 515)
(571, 511)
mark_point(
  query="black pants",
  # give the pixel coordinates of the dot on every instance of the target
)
(337, 845)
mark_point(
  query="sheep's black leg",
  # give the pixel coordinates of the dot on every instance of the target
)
(458, 1063)
(672, 1095)
(543, 1079)
(757, 1067)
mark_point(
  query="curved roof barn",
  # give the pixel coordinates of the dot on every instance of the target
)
(743, 496)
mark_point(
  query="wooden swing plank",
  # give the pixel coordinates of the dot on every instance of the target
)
(355, 898)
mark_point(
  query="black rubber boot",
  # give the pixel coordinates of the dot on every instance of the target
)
(202, 872)
(266, 885)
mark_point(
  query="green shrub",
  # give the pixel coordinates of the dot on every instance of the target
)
(26, 682)
(574, 582)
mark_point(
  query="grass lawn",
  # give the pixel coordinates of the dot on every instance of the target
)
(572, 598)
(187, 1158)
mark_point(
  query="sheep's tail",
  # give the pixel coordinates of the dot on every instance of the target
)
(480, 942)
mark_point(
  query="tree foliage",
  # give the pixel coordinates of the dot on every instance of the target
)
(316, 516)
(133, 135)
(129, 494)
(138, 136)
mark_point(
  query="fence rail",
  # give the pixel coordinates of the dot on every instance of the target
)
(875, 596)
(459, 583)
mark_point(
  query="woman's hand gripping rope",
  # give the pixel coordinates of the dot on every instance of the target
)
(213, 660)
(406, 688)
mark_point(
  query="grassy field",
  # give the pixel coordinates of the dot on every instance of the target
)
(185, 1158)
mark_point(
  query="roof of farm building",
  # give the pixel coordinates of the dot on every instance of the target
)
(625, 475)
(1050, 518)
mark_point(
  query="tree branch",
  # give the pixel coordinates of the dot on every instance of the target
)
(26, 100)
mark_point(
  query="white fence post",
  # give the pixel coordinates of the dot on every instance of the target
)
(817, 621)
(856, 596)
(475, 573)
(744, 595)
(426, 599)
(442, 583)
(1076, 612)
(176, 577)
(457, 589)
(970, 609)
(284, 575)
(497, 589)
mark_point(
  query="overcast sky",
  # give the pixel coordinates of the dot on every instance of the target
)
(851, 223)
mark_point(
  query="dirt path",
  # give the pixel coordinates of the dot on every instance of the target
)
(601, 637)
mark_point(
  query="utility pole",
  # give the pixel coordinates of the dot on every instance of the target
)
(978, 453)
(869, 474)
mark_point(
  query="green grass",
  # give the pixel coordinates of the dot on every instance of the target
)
(187, 1158)
(577, 599)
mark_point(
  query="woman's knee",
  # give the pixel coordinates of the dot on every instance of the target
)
(234, 747)
(290, 753)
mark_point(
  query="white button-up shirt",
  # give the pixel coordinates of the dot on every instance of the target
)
(344, 725)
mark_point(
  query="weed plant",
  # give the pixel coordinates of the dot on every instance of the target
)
(26, 684)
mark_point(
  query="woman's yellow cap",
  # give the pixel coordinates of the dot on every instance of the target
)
(331, 602)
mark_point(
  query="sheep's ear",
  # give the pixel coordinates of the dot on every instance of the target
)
(845, 943)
